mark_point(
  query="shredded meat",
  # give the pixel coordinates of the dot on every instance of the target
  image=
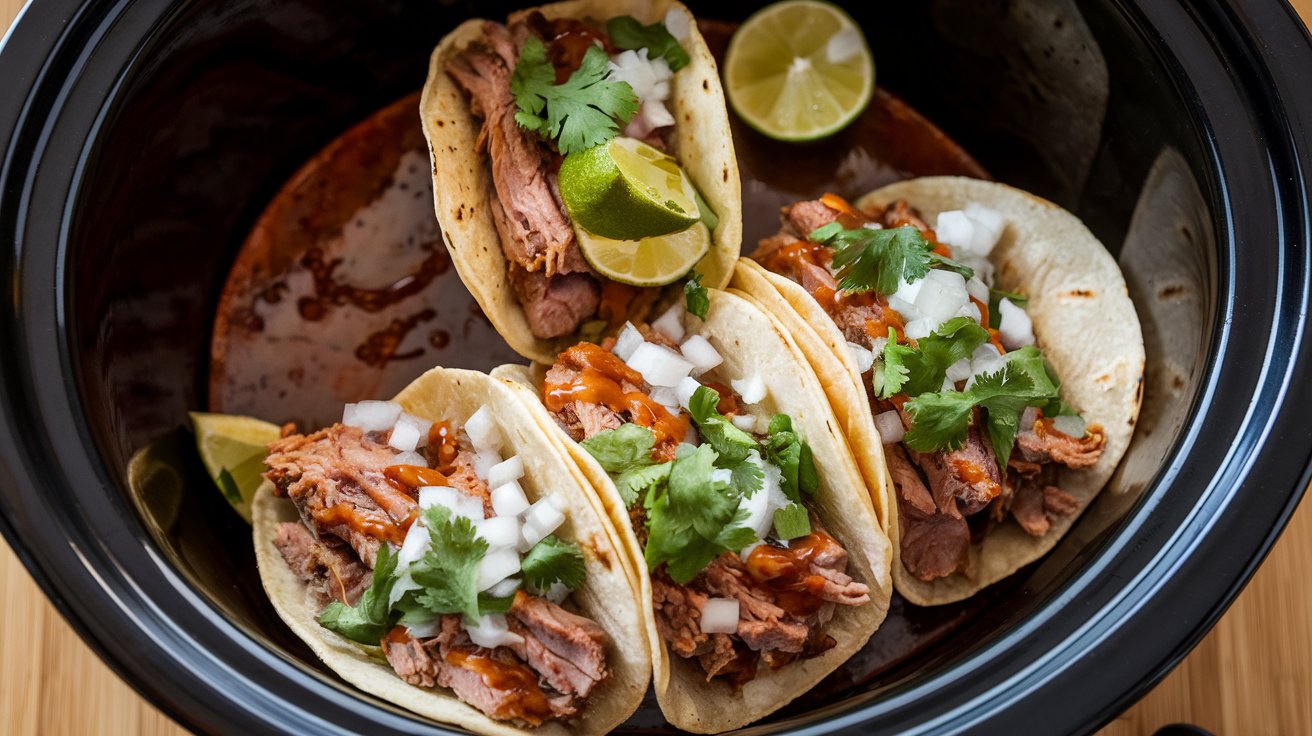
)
(1044, 444)
(465, 480)
(553, 305)
(569, 650)
(933, 543)
(335, 478)
(804, 217)
(330, 570)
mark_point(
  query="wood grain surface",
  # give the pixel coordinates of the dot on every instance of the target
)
(1251, 675)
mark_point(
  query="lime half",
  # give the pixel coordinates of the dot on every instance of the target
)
(799, 70)
(627, 190)
(654, 261)
(233, 450)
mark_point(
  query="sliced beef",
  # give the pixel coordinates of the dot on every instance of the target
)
(464, 479)
(540, 233)
(1027, 509)
(968, 474)
(331, 571)
(678, 616)
(805, 217)
(554, 305)
(416, 661)
(567, 649)
(901, 214)
(762, 625)
(933, 543)
(1057, 502)
(335, 478)
(732, 661)
(1044, 444)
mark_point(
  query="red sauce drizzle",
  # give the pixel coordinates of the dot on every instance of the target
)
(786, 571)
(527, 702)
(374, 526)
(328, 291)
(410, 477)
(443, 446)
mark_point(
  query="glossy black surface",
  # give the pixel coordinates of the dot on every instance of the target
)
(142, 138)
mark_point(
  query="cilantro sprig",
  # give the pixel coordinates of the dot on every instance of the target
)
(920, 369)
(695, 296)
(784, 448)
(371, 616)
(876, 260)
(584, 111)
(627, 33)
(693, 518)
(553, 560)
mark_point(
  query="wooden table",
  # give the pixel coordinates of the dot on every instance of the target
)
(1252, 675)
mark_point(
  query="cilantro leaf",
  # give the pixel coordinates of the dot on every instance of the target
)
(747, 478)
(922, 369)
(731, 443)
(628, 446)
(792, 521)
(784, 448)
(553, 560)
(627, 33)
(694, 518)
(632, 482)
(585, 111)
(947, 264)
(491, 604)
(370, 618)
(694, 294)
(448, 572)
(876, 260)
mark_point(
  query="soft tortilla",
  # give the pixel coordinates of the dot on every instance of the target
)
(462, 183)
(1083, 319)
(607, 596)
(752, 342)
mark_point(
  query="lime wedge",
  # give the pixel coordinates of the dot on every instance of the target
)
(653, 261)
(799, 70)
(233, 450)
(627, 190)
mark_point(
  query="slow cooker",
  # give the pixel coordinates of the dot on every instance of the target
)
(142, 139)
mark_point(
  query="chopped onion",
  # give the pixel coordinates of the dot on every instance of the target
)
(500, 531)
(1014, 328)
(544, 516)
(970, 309)
(720, 616)
(889, 424)
(509, 499)
(404, 437)
(702, 353)
(843, 45)
(627, 342)
(666, 397)
(1028, 417)
(988, 227)
(686, 388)
(650, 80)
(955, 228)
(458, 503)
(557, 593)
(745, 422)
(903, 301)
(918, 328)
(986, 359)
(484, 461)
(504, 588)
(482, 430)
(863, 357)
(496, 565)
(1068, 424)
(409, 458)
(512, 468)
(977, 289)
(691, 437)
(721, 475)
(941, 294)
(751, 389)
(877, 347)
(760, 514)
(492, 631)
(415, 544)
(959, 371)
(676, 22)
(670, 323)
(371, 416)
(659, 365)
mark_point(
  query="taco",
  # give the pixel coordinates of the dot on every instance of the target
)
(987, 370)
(582, 163)
(436, 552)
(760, 561)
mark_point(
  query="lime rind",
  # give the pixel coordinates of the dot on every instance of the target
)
(652, 261)
(625, 189)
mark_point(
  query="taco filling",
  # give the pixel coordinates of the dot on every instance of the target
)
(742, 570)
(968, 410)
(576, 129)
(417, 537)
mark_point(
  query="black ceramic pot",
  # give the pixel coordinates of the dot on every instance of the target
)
(141, 139)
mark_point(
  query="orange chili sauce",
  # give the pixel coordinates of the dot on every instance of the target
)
(786, 571)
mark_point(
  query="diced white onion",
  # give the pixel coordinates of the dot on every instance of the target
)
(877, 347)
(691, 437)
(628, 341)
(843, 45)
(670, 323)
(918, 328)
(512, 468)
(666, 397)
(751, 389)
(404, 437)
(745, 422)
(1071, 425)
(371, 416)
(541, 519)
(496, 565)
(1027, 418)
(482, 430)
(492, 631)
(557, 593)
(504, 588)
(988, 228)
(1014, 326)
(650, 80)
(659, 365)
(978, 289)
(948, 385)
(484, 461)
(458, 503)
(986, 359)
(702, 353)
(903, 301)
(415, 544)
(720, 616)
(509, 499)
(404, 584)
(941, 294)
(959, 371)
(863, 357)
(889, 424)
(410, 458)
(970, 309)
(500, 531)
(955, 228)
(676, 22)
(686, 388)
(721, 475)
